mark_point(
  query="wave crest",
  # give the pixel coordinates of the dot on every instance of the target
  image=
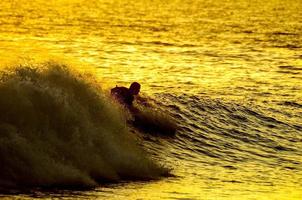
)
(57, 128)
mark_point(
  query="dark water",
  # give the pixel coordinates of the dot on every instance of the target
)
(229, 73)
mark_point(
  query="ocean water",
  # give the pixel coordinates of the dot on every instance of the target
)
(228, 72)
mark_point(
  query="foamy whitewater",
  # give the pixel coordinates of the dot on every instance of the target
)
(227, 74)
(58, 129)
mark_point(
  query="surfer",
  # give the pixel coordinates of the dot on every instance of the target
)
(141, 119)
(126, 95)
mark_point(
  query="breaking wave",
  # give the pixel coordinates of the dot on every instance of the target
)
(59, 129)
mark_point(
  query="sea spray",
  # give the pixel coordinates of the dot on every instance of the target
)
(59, 129)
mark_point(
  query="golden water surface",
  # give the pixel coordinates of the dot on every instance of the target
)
(247, 51)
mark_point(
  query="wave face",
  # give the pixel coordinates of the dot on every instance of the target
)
(235, 144)
(57, 128)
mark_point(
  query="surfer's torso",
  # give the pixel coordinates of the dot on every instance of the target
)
(123, 95)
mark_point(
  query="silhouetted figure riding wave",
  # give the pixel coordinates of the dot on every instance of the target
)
(144, 118)
(124, 95)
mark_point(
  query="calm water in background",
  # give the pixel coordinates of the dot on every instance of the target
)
(229, 71)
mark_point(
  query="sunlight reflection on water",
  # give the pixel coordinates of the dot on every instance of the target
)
(243, 51)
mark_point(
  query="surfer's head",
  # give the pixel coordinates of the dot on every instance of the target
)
(134, 88)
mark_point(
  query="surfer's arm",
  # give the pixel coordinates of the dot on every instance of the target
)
(142, 100)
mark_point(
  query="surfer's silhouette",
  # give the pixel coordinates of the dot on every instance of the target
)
(152, 123)
(125, 95)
